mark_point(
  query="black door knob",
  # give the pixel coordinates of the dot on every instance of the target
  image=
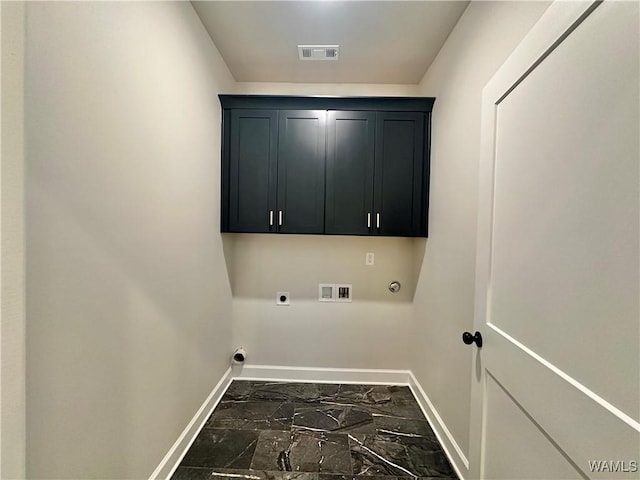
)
(468, 338)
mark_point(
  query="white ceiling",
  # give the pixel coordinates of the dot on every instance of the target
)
(380, 41)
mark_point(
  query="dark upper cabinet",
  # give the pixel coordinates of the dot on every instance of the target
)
(253, 147)
(399, 174)
(301, 165)
(275, 171)
(375, 175)
(350, 157)
(348, 165)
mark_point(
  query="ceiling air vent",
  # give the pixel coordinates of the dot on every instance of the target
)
(318, 52)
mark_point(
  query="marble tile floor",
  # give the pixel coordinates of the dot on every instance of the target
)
(305, 431)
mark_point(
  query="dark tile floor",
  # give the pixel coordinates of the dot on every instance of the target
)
(304, 431)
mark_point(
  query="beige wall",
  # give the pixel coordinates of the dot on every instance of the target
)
(264, 264)
(12, 315)
(328, 335)
(443, 305)
(128, 301)
(340, 89)
(370, 332)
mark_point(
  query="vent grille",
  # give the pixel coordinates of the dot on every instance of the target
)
(318, 52)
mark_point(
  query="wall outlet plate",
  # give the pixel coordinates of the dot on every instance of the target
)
(282, 298)
(326, 292)
(344, 292)
(369, 258)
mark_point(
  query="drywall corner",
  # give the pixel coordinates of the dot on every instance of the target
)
(443, 306)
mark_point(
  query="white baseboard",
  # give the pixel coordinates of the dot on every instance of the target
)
(455, 454)
(277, 373)
(172, 459)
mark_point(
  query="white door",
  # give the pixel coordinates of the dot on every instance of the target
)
(556, 385)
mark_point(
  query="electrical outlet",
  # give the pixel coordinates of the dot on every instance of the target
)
(282, 298)
(369, 258)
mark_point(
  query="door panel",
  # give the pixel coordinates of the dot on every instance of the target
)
(399, 173)
(508, 429)
(570, 202)
(350, 156)
(579, 423)
(558, 250)
(252, 181)
(301, 170)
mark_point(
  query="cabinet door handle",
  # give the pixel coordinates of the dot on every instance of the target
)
(271, 218)
(378, 220)
(280, 218)
(369, 220)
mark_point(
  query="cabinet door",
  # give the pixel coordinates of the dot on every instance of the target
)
(301, 161)
(350, 157)
(252, 173)
(399, 173)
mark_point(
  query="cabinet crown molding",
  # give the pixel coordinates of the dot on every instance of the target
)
(291, 102)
